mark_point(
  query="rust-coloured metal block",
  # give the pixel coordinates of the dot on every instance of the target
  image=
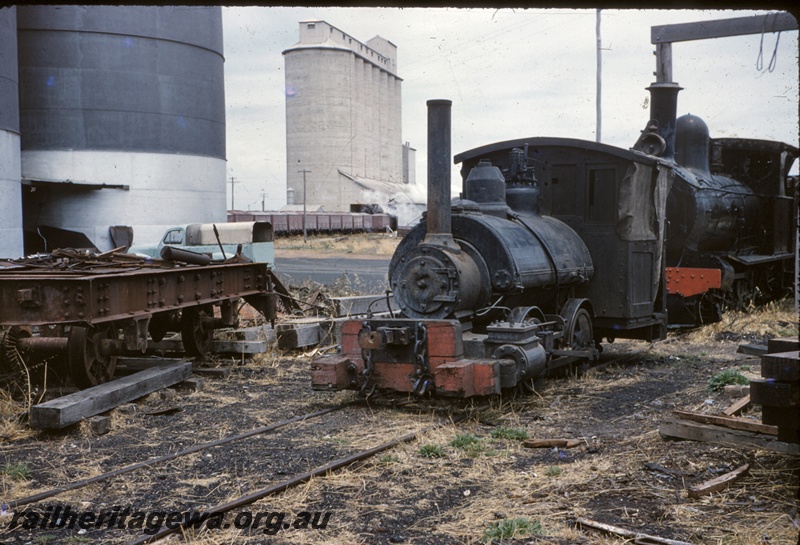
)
(444, 339)
(455, 378)
(350, 331)
(393, 376)
(690, 281)
(332, 373)
(467, 378)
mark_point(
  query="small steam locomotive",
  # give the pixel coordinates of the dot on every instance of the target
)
(555, 244)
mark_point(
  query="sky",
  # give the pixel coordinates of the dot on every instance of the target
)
(510, 73)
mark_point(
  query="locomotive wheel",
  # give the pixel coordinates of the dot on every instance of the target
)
(89, 364)
(580, 335)
(196, 338)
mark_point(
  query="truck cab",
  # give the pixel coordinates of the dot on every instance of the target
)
(255, 237)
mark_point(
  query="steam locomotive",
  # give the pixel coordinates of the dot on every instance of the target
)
(555, 244)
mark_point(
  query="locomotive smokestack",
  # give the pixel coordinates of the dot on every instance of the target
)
(664, 108)
(439, 157)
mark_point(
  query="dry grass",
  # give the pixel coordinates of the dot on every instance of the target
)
(361, 244)
(776, 319)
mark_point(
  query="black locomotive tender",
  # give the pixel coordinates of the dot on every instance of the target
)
(555, 244)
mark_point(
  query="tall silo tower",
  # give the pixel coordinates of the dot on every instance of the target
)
(343, 118)
(10, 188)
(122, 118)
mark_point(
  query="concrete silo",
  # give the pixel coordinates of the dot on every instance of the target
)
(122, 118)
(343, 126)
(10, 188)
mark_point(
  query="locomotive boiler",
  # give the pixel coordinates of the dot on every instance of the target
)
(732, 223)
(494, 289)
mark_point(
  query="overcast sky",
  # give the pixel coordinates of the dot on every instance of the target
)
(511, 73)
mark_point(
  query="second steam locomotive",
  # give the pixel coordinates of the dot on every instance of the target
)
(556, 244)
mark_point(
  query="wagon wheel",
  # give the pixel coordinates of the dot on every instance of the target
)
(196, 338)
(90, 363)
(525, 315)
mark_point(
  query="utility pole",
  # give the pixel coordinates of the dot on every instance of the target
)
(233, 205)
(304, 171)
(599, 69)
(263, 196)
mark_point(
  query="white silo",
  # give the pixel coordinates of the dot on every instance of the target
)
(122, 118)
(342, 117)
(10, 188)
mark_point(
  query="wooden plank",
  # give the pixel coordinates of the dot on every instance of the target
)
(752, 349)
(783, 344)
(787, 420)
(781, 366)
(718, 483)
(298, 335)
(684, 429)
(719, 28)
(738, 406)
(775, 394)
(550, 443)
(133, 365)
(636, 537)
(731, 422)
(73, 408)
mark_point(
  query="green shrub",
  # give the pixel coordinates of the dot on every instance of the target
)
(513, 434)
(552, 471)
(511, 528)
(431, 451)
(718, 382)
(464, 441)
(16, 472)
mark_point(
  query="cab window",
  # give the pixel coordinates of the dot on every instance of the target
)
(173, 237)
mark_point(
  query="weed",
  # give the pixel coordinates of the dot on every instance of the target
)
(431, 451)
(389, 459)
(512, 434)
(464, 441)
(552, 471)
(718, 382)
(16, 472)
(511, 528)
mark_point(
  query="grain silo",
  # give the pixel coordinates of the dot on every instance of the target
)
(343, 118)
(122, 118)
(10, 188)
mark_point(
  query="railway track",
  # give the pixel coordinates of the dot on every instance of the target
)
(262, 461)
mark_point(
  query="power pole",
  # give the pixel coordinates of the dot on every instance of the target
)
(263, 196)
(599, 69)
(233, 206)
(304, 171)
